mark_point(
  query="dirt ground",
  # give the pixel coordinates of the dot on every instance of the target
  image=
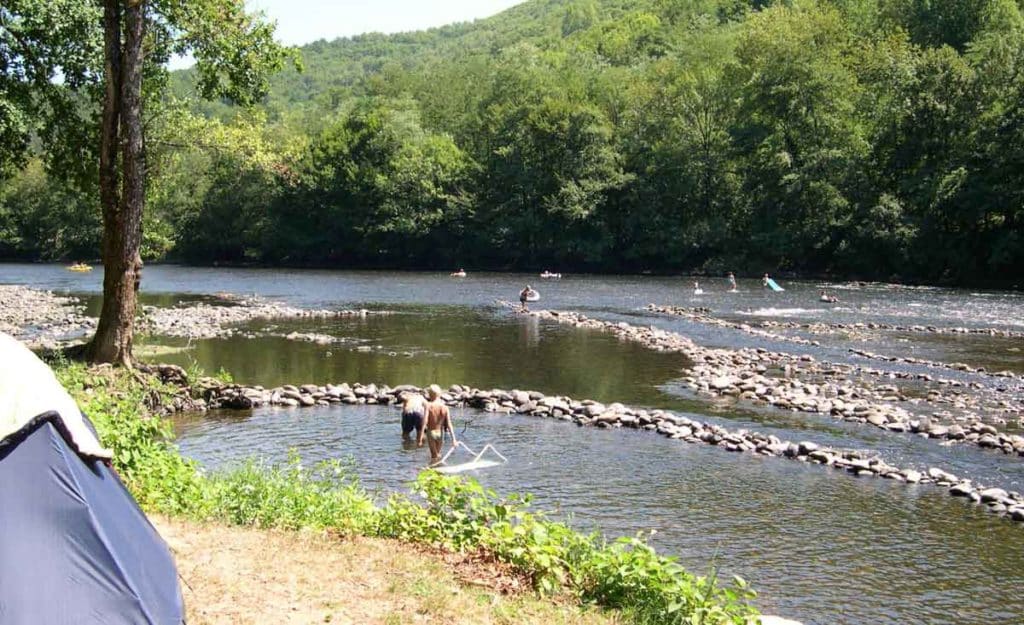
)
(241, 576)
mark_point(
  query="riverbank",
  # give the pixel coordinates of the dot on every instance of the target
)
(442, 513)
(245, 576)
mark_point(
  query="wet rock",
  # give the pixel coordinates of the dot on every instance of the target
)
(961, 489)
(992, 495)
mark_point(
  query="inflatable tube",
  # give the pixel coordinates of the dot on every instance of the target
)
(774, 285)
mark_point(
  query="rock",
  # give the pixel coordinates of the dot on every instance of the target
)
(962, 489)
(721, 383)
(877, 419)
(806, 447)
(940, 476)
(992, 495)
(912, 476)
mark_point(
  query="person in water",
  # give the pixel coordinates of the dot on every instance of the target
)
(696, 288)
(825, 297)
(764, 280)
(438, 420)
(732, 282)
(523, 295)
(414, 413)
(461, 273)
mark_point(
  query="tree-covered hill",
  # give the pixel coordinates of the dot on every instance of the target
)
(862, 138)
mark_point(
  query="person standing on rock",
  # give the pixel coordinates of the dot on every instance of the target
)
(414, 414)
(438, 420)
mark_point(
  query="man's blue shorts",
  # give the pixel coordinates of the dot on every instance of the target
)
(412, 421)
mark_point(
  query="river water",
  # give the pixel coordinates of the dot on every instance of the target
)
(820, 546)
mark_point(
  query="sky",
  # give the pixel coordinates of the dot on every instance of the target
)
(303, 21)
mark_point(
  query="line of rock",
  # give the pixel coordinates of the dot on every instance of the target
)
(207, 321)
(826, 328)
(703, 315)
(213, 394)
(934, 364)
(741, 374)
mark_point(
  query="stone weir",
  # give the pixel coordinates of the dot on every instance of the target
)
(828, 328)
(208, 321)
(704, 316)
(212, 394)
(742, 374)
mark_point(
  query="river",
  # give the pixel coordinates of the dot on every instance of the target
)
(819, 545)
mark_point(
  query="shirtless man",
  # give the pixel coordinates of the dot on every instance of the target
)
(438, 420)
(414, 413)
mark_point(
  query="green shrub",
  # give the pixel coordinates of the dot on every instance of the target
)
(292, 497)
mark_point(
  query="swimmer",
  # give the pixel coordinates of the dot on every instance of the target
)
(696, 288)
(732, 283)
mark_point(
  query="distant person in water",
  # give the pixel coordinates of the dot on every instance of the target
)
(696, 288)
(438, 420)
(414, 414)
(524, 297)
(829, 299)
(461, 273)
(732, 282)
(764, 280)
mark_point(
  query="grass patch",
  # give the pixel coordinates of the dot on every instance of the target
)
(447, 513)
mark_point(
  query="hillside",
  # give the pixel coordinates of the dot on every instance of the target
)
(856, 138)
(334, 70)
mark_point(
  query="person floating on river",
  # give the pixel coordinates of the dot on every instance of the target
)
(438, 420)
(414, 413)
(732, 283)
(461, 273)
(696, 288)
(828, 299)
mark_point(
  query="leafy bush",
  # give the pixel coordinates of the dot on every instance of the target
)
(292, 497)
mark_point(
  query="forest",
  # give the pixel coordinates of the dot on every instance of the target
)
(867, 139)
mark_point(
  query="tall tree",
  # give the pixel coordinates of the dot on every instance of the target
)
(235, 52)
(50, 64)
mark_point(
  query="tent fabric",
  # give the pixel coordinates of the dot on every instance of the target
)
(75, 548)
(28, 389)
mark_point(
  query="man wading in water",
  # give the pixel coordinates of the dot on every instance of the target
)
(438, 420)
(414, 412)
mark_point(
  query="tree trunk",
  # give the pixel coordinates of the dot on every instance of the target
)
(122, 210)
